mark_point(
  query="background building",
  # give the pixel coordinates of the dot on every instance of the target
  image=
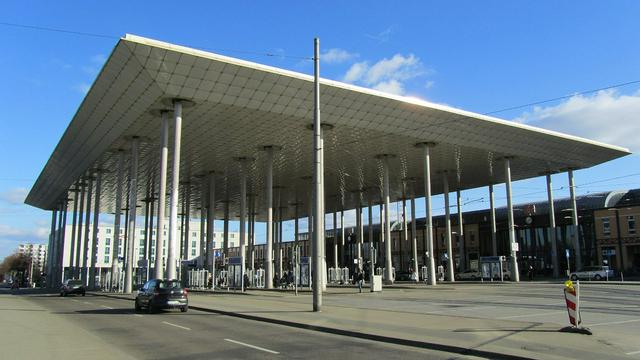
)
(37, 253)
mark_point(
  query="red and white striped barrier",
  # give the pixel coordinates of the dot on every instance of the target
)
(571, 298)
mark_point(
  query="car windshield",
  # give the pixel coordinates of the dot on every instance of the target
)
(75, 282)
(169, 284)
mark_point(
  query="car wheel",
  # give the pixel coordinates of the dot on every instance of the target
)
(574, 277)
(457, 277)
(150, 309)
(61, 294)
(83, 294)
(598, 277)
(184, 308)
(137, 306)
(507, 277)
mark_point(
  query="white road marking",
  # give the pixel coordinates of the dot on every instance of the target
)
(529, 315)
(615, 322)
(178, 326)
(633, 352)
(86, 302)
(252, 346)
(138, 315)
(75, 300)
(107, 307)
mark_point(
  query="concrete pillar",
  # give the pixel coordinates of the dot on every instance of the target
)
(387, 228)
(225, 230)
(405, 231)
(87, 232)
(133, 201)
(318, 170)
(428, 210)
(96, 221)
(360, 234)
(492, 216)
(515, 274)
(335, 240)
(447, 219)
(175, 188)
(461, 248)
(381, 240)
(74, 224)
(342, 235)
(63, 237)
(50, 245)
(280, 248)
(162, 194)
(370, 223)
(116, 221)
(186, 234)
(243, 219)
(77, 261)
(149, 232)
(202, 251)
(414, 237)
(574, 221)
(552, 229)
(211, 214)
(268, 262)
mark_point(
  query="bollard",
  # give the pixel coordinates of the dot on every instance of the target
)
(572, 299)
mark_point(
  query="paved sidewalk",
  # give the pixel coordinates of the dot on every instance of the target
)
(491, 338)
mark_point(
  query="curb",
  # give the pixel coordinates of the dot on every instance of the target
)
(380, 338)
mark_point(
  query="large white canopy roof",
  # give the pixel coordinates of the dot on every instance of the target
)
(241, 106)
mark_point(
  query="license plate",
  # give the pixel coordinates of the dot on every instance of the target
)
(173, 302)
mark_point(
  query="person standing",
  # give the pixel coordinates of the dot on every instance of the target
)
(360, 280)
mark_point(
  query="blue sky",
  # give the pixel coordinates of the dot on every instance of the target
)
(478, 56)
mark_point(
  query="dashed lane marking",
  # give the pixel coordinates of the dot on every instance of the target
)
(178, 326)
(107, 307)
(615, 322)
(252, 346)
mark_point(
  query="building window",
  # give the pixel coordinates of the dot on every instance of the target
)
(142, 242)
(106, 259)
(194, 234)
(108, 231)
(606, 226)
(153, 243)
(107, 250)
(193, 244)
(141, 232)
(193, 252)
(107, 241)
(233, 235)
(631, 222)
(214, 244)
(141, 252)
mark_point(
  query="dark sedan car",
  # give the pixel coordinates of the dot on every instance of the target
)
(71, 286)
(162, 294)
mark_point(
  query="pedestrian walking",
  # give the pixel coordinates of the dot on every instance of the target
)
(360, 280)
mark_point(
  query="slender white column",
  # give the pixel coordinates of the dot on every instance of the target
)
(87, 232)
(63, 237)
(492, 215)
(74, 220)
(76, 267)
(280, 250)
(116, 221)
(342, 258)
(202, 252)
(133, 201)
(359, 234)
(429, 213)
(225, 230)
(243, 219)
(461, 248)
(162, 193)
(574, 220)
(552, 229)
(387, 229)
(56, 247)
(512, 230)
(149, 233)
(370, 223)
(211, 214)
(96, 220)
(52, 235)
(186, 232)
(414, 236)
(335, 240)
(318, 213)
(381, 240)
(405, 231)
(268, 262)
(175, 188)
(447, 220)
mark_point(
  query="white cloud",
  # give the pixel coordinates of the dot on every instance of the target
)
(336, 56)
(384, 35)
(606, 116)
(14, 196)
(11, 237)
(387, 75)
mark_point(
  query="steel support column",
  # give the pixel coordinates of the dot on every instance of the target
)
(318, 231)
(461, 247)
(574, 221)
(243, 219)
(552, 229)
(492, 216)
(87, 232)
(268, 255)
(447, 219)
(133, 201)
(162, 193)
(52, 237)
(96, 220)
(414, 237)
(428, 212)
(76, 266)
(175, 188)
(211, 214)
(116, 221)
(515, 274)
(387, 229)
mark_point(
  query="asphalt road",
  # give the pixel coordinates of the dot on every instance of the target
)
(99, 327)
